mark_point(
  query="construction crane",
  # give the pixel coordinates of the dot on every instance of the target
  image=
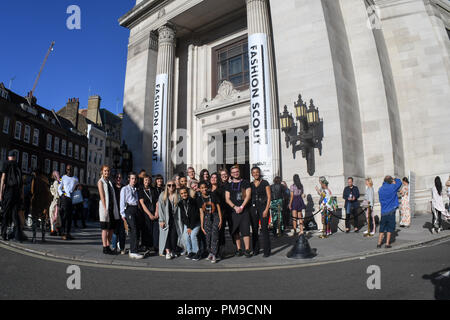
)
(30, 96)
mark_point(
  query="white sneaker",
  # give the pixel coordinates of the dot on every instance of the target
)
(291, 233)
(366, 232)
(213, 259)
(168, 256)
(136, 256)
(210, 256)
(372, 233)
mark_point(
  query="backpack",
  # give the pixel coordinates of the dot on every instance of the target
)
(13, 175)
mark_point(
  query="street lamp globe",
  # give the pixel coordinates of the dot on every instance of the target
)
(286, 120)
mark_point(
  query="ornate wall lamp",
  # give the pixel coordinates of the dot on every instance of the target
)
(307, 135)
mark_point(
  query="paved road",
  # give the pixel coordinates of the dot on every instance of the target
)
(27, 276)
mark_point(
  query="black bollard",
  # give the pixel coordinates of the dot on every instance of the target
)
(301, 249)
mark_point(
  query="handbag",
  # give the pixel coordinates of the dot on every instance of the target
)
(77, 197)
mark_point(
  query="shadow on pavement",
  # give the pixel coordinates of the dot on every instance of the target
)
(441, 282)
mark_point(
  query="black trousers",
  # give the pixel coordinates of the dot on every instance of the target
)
(150, 233)
(211, 225)
(351, 211)
(79, 214)
(131, 214)
(256, 214)
(11, 202)
(66, 212)
(140, 225)
(172, 238)
(226, 214)
(120, 234)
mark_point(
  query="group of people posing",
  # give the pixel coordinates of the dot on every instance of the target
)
(188, 216)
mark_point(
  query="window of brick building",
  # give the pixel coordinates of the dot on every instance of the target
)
(70, 151)
(63, 147)
(25, 162)
(33, 162)
(27, 134)
(47, 166)
(56, 147)
(6, 122)
(18, 130)
(49, 142)
(36, 137)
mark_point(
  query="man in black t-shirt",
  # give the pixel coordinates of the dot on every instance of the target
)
(150, 226)
(11, 197)
(238, 196)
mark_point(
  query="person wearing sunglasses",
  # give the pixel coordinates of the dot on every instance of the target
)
(170, 224)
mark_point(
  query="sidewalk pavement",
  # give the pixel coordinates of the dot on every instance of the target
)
(87, 247)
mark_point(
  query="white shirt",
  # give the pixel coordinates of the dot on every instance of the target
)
(438, 202)
(67, 186)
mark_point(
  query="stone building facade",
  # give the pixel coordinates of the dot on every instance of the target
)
(378, 70)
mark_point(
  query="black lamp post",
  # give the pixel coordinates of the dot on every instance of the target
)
(308, 135)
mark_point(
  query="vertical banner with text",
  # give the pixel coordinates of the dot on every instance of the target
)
(160, 126)
(261, 100)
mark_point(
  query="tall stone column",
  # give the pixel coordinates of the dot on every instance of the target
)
(162, 128)
(264, 109)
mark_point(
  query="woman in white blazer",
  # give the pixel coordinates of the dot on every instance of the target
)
(108, 210)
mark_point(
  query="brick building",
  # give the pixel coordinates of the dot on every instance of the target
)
(40, 138)
(107, 130)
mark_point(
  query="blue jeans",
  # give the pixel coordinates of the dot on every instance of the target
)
(191, 240)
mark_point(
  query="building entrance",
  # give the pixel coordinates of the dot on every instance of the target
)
(236, 150)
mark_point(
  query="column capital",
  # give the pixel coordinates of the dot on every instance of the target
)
(255, 1)
(166, 34)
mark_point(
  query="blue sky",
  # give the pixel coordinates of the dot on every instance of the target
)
(92, 59)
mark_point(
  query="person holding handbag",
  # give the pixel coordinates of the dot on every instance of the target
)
(108, 210)
(66, 190)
